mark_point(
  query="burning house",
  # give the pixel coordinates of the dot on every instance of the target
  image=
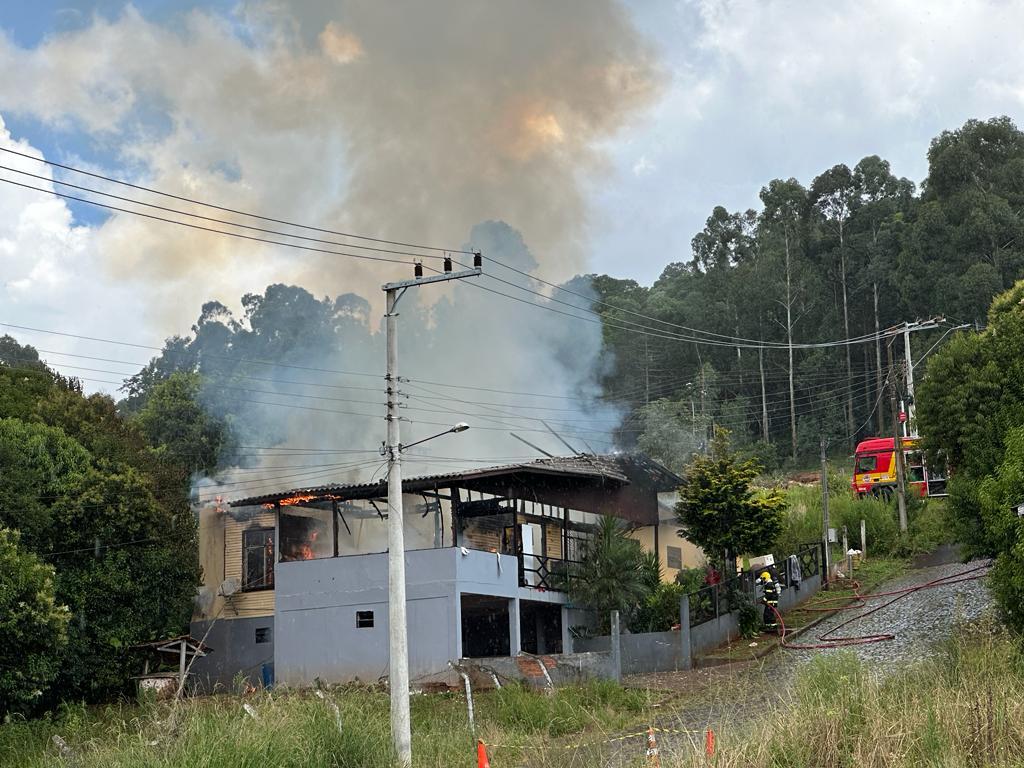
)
(295, 583)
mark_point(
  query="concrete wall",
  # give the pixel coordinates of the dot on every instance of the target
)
(645, 652)
(235, 652)
(567, 669)
(716, 632)
(317, 602)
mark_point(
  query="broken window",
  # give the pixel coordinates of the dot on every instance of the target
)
(262, 635)
(258, 558)
(307, 533)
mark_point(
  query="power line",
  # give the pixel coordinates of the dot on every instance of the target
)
(123, 183)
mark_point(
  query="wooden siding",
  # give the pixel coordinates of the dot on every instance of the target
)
(258, 603)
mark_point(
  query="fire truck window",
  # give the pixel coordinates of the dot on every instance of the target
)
(915, 474)
(258, 558)
(364, 619)
(306, 533)
(867, 464)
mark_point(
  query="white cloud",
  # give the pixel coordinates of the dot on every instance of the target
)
(777, 88)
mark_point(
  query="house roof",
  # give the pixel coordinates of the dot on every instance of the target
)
(607, 471)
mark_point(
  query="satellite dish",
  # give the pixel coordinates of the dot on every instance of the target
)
(228, 587)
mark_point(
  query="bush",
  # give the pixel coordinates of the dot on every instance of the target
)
(660, 611)
(33, 628)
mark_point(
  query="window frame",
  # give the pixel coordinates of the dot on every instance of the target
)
(668, 557)
(268, 565)
(361, 619)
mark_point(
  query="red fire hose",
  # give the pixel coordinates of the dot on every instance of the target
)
(828, 639)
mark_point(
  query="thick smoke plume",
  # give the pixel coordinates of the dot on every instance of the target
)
(495, 351)
(408, 120)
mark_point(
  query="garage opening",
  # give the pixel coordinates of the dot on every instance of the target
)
(540, 627)
(485, 626)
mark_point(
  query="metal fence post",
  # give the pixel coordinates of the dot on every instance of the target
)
(685, 638)
(616, 647)
(715, 597)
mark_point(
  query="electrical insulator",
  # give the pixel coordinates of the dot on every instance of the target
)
(447, 263)
(478, 260)
(418, 270)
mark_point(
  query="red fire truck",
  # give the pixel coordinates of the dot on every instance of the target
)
(874, 470)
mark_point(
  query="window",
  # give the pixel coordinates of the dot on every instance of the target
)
(262, 635)
(258, 559)
(364, 619)
(674, 557)
(868, 463)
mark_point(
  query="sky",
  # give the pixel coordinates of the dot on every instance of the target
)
(604, 132)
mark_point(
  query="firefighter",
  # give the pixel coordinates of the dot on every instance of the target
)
(770, 598)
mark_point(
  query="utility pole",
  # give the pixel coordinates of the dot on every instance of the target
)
(911, 423)
(908, 328)
(901, 498)
(398, 636)
(824, 506)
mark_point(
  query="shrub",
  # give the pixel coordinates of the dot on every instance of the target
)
(33, 627)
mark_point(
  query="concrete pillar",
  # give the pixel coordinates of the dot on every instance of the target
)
(515, 643)
(566, 634)
(616, 647)
(684, 632)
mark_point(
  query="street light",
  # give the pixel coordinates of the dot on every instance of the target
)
(460, 427)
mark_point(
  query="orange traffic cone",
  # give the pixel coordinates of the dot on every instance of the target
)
(481, 756)
(709, 743)
(653, 760)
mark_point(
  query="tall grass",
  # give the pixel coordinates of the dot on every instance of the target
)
(964, 707)
(298, 730)
(928, 523)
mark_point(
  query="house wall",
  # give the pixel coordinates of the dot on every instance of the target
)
(245, 604)
(668, 536)
(317, 601)
(236, 652)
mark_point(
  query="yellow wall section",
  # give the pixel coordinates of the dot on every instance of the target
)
(259, 603)
(693, 557)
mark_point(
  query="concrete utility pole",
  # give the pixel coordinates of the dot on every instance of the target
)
(908, 328)
(824, 506)
(901, 498)
(398, 636)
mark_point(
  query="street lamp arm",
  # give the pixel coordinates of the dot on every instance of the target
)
(460, 427)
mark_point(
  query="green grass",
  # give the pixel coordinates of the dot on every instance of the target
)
(927, 529)
(297, 729)
(962, 707)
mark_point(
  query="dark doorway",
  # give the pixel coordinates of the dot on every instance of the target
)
(540, 627)
(485, 626)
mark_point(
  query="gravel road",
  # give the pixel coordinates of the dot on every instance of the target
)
(918, 620)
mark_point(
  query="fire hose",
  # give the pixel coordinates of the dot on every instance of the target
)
(829, 640)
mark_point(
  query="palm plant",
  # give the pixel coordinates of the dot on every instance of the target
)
(611, 574)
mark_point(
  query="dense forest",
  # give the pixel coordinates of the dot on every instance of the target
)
(855, 251)
(97, 540)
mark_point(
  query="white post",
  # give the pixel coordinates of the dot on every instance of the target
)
(824, 510)
(398, 676)
(911, 423)
(863, 541)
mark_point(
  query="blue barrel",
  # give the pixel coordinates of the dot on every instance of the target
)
(267, 673)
